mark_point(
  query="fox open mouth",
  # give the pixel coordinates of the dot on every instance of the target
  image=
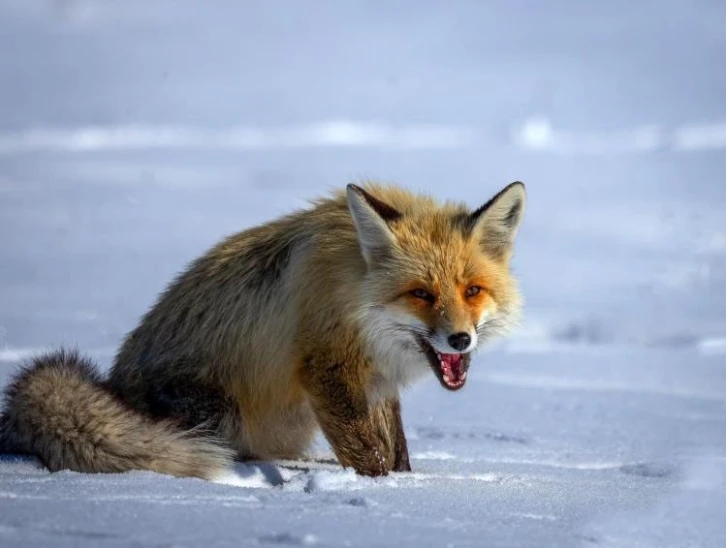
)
(450, 369)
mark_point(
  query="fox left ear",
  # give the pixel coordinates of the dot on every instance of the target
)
(495, 223)
(371, 217)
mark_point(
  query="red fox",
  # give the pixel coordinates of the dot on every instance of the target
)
(313, 321)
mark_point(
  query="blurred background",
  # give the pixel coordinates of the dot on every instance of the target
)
(135, 134)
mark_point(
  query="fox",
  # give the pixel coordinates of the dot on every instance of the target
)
(313, 322)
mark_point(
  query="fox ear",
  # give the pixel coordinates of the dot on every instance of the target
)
(371, 217)
(495, 223)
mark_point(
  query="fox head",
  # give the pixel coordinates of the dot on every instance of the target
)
(438, 280)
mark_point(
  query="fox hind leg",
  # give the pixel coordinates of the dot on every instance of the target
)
(189, 401)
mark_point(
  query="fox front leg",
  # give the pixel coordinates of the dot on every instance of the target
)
(341, 407)
(389, 430)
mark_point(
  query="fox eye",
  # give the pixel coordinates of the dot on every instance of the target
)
(472, 290)
(423, 295)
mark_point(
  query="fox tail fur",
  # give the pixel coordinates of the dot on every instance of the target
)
(59, 409)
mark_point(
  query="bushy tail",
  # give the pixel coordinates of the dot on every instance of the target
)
(58, 409)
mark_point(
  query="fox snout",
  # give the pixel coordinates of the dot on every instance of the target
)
(459, 341)
(456, 341)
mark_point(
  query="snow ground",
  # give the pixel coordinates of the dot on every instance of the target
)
(611, 447)
(136, 138)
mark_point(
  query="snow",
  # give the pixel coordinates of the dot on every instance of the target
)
(535, 134)
(137, 138)
(327, 133)
(539, 134)
(612, 447)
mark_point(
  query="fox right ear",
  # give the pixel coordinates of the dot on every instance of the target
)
(371, 217)
(495, 223)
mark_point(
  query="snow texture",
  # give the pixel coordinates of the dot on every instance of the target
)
(136, 134)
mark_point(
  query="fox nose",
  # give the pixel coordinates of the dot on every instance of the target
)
(460, 341)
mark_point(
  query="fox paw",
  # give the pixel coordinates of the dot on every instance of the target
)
(374, 466)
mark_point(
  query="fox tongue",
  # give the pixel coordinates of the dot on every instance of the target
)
(452, 369)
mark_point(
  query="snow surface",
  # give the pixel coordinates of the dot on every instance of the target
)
(136, 134)
(609, 447)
